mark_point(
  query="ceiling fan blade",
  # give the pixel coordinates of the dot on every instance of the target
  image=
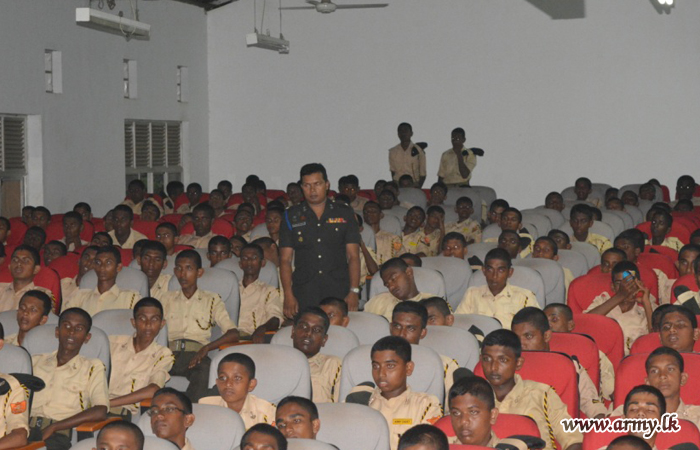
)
(298, 7)
(373, 5)
(312, 2)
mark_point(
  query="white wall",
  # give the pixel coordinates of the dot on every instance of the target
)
(83, 128)
(613, 96)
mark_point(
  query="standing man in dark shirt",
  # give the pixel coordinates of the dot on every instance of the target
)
(322, 237)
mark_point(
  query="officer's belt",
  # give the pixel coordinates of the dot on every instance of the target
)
(185, 345)
(43, 422)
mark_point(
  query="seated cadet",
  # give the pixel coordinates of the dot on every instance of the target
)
(27, 215)
(235, 380)
(273, 221)
(628, 442)
(237, 243)
(72, 227)
(647, 191)
(412, 260)
(532, 327)
(53, 250)
(269, 247)
(439, 312)
(217, 202)
(388, 244)
(14, 421)
(76, 387)
(85, 264)
(136, 196)
(226, 189)
(349, 185)
(5, 230)
(107, 295)
(202, 219)
(511, 242)
(645, 402)
(561, 320)
(171, 415)
(191, 314)
(219, 249)
(511, 220)
(433, 231)
(173, 189)
(398, 279)
(614, 204)
(84, 209)
(685, 189)
(123, 235)
(120, 435)
(438, 193)
(581, 220)
(554, 201)
(309, 334)
(139, 364)
(136, 250)
(294, 194)
(153, 259)
(102, 239)
(194, 195)
(661, 223)
(561, 239)
(409, 320)
(656, 317)
(413, 237)
(166, 234)
(686, 256)
(34, 309)
(263, 436)
(496, 209)
(406, 157)
(497, 298)
(297, 418)
(150, 212)
(630, 198)
(249, 193)
(501, 357)
(454, 245)
(635, 320)
(611, 192)
(583, 188)
(34, 237)
(406, 181)
(465, 225)
(678, 328)
(684, 205)
(337, 311)
(24, 266)
(423, 437)
(243, 220)
(261, 304)
(632, 243)
(610, 258)
(546, 248)
(41, 217)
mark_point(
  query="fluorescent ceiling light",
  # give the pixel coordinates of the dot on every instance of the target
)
(111, 23)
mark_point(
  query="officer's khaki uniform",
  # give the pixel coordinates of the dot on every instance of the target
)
(12, 339)
(255, 410)
(137, 208)
(503, 306)
(591, 404)
(93, 302)
(383, 304)
(540, 402)
(389, 246)
(134, 237)
(196, 241)
(449, 167)
(599, 242)
(469, 228)
(420, 242)
(132, 371)
(671, 242)
(71, 247)
(402, 162)
(633, 322)
(260, 302)
(405, 411)
(325, 378)
(9, 299)
(15, 407)
(160, 287)
(607, 376)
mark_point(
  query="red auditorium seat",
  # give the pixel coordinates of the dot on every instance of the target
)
(219, 227)
(584, 289)
(367, 193)
(658, 261)
(688, 281)
(663, 250)
(506, 425)
(688, 434)
(646, 273)
(66, 266)
(46, 278)
(172, 218)
(605, 331)
(147, 228)
(17, 230)
(677, 231)
(650, 342)
(583, 347)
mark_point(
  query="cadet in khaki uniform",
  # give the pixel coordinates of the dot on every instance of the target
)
(497, 298)
(457, 163)
(191, 314)
(465, 225)
(194, 195)
(122, 234)
(154, 258)
(261, 304)
(14, 422)
(297, 417)
(388, 244)
(235, 381)
(171, 417)
(34, 310)
(139, 364)
(106, 295)
(661, 224)
(202, 219)
(71, 285)
(546, 248)
(581, 220)
(24, 265)
(349, 185)
(76, 387)
(398, 278)
(407, 158)
(500, 359)
(414, 238)
(72, 227)
(309, 334)
(136, 196)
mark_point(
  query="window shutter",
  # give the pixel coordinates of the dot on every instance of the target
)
(143, 145)
(13, 139)
(158, 144)
(174, 145)
(129, 144)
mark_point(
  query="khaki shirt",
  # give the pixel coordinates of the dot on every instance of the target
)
(449, 167)
(591, 404)
(449, 365)
(15, 407)
(133, 238)
(74, 387)
(255, 410)
(671, 242)
(160, 287)
(420, 242)
(71, 247)
(132, 371)
(480, 300)
(68, 287)
(633, 322)
(686, 412)
(540, 402)
(193, 318)
(138, 207)
(389, 246)
(401, 162)
(607, 376)
(260, 302)
(93, 302)
(493, 440)
(358, 204)
(526, 250)
(405, 411)
(383, 304)
(9, 299)
(188, 445)
(12, 339)
(196, 241)
(665, 286)
(568, 278)
(325, 378)
(600, 242)
(470, 229)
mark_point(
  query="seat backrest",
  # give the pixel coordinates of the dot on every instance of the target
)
(8, 319)
(491, 231)
(506, 425)
(428, 375)
(413, 196)
(480, 249)
(688, 281)
(600, 228)
(677, 231)
(583, 348)
(598, 440)
(646, 273)
(455, 272)
(453, 194)
(540, 221)
(427, 280)
(340, 340)
(477, 324)
(341, 422)
(47, 278)
(220, 281)
(688, 433)
(574, 261)
(128, 279)
(635, 213)
(150, 443)
(556, 218)
(552, 274)
(147, 228)
(391, 224)
(588, 251)
(368, 327)
(205, 432)
(117, 322)
(523, 277)
(615, 222)
(663, 250)
(268, 272)
(487, 194)
(66, 266)
(15, 359)
(369, 238)
(570, 196)
(606, 333)
(308, 444)
(453, 342)
(658, 261)
(280, 371)
(43, 340)
(583, 290)
(627, 220)
(19, 228)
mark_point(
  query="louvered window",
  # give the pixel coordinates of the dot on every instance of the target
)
(13, 145)
(153, 152)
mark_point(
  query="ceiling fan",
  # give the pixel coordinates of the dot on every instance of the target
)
(326, 6)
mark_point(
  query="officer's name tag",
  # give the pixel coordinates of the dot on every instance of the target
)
(402, 422)
(297, 225)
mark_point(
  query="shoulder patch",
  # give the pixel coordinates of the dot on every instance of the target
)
(18, 408)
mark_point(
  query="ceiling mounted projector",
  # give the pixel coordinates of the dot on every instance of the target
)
(111, 23)
(327, 7)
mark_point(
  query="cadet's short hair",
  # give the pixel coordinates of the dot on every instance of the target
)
(514, 210)
(37, 230)
(581, 208)
(476, 387)
(564, 309)
(196, 186)
(78, 311)
(550, 241)
(500, 254)
(240, 239)
(634, 236)
(438, 303)
(439, 185)
(393, 263)
(255, 247)
(147, 302)
(128, 427)
(268, 430)
(556, 232)
(615, 251)
(415, 259)
(465, 199)
(414, 308)
(219, 240)
(505, 233)
(499, 203)
(352, 180)
(417, 208)
(689, 248)
(304, 403)
(396, 344)
(153, 246)
(459, 131)
(83, 205)
(205, 208)
(387, 192)
(312, 168)
(225, 183)
(61, 246)
(242, 359)
(662, 206)
(125, 209)
(264, 242)
(138, 245)
(316, 311)
(192, 255)
(185, 400)
(137, 183)
(42, 296)
(7, 223)
(665, 351)
(534, 316)
(426, 435)
(337, 302)
(503, 338)
(43, 209)
(644, 388)
(34, 253)
(170, 226)
(406, 125)
(629, 440)
(666, 215)
(455, 236)
(623, 266)
(585, 181)
(72, 215)
(436, 209)
(104, 234)
(112, 250)
(680, 309)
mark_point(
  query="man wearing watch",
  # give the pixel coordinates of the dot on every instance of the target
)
(322, 238)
